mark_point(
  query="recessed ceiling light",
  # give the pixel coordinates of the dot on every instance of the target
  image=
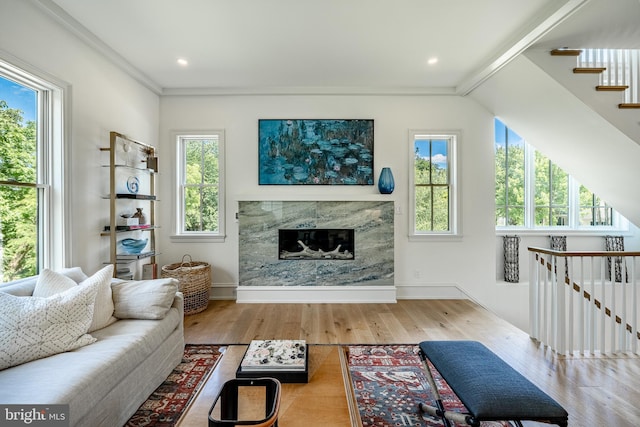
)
(432, 61)
(183, 62)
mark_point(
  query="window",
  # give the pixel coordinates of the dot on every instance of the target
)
(433, 183)
(534, 193)
(201, 185)
(32, 231)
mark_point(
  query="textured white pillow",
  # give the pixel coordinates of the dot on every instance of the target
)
(74, 273)
(103, 312)
(51, 283)
(32, 328)
(144, 299)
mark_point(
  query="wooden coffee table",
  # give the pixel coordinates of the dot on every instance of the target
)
(320, 402)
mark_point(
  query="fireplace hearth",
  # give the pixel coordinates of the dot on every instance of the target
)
(316, 244)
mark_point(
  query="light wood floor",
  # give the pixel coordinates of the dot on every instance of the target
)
(596, 391)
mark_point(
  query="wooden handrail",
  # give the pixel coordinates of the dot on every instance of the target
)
(576, 287)
(582, 253)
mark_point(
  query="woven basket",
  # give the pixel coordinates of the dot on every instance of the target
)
(194, 279)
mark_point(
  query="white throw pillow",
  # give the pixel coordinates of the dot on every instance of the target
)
(103, 311)
(32, 328)
(74, 273)
(51, 283)
(144, 299)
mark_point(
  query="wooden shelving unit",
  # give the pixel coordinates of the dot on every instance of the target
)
(137, 161)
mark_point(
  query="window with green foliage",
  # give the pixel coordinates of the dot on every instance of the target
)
(201, 190)
(433, 183)
(533, 192)
(31, 179)
(19, 192)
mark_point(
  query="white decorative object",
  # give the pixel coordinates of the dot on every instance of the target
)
(125, 221)
(32, 328)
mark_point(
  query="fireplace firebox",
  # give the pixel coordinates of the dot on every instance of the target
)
(316, 244)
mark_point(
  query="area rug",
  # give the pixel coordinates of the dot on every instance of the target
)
(389, 381)
(169, 401)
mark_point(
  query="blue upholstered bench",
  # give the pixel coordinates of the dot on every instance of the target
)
(490, 389)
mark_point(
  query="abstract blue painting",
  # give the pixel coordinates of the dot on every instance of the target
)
(315, 152)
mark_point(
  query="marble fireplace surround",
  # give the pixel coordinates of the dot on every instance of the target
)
(263, 277)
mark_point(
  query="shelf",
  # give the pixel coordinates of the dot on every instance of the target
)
(119, 166)
(130, 157)
(132, 196)
(128, 229)
(135, 257)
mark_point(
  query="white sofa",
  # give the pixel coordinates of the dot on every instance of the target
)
(104, 382)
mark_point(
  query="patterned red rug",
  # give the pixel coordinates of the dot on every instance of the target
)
(168, 402)
(389, 382)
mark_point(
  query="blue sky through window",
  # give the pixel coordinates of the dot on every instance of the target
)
(438, 153)
(19, 97)
(499, 128)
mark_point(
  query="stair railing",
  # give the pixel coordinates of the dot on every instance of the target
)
(580, 306)
(622, 69)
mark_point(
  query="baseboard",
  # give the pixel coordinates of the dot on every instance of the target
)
(443, 291)
(223, 291)
(316, 294)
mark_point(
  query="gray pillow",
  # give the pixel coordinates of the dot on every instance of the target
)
(143, 299)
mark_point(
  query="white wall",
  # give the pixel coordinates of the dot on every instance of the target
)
(422, 269)
(102, 98)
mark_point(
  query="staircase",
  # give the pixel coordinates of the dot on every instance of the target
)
(585, 302)
(618, 70)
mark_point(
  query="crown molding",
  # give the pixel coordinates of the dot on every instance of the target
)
(310, 90)
(80, 31)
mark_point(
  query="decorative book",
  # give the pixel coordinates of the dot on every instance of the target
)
(268, 355)
(286, 360)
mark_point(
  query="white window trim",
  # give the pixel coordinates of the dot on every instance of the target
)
(53, 138)
(620, 223)
(198, 236)
(455, 197)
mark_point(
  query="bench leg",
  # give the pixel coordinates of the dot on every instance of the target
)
(439, 410)
(448, 416)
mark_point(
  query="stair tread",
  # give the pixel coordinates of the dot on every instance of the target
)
(566, 52)
(629, 105)
(594, 70)
(612, 88)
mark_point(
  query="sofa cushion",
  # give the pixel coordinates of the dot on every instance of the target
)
(50, 283)
(32, 328)
(20, 288)
(143, 299)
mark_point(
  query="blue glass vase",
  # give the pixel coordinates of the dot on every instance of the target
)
(385, 182)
